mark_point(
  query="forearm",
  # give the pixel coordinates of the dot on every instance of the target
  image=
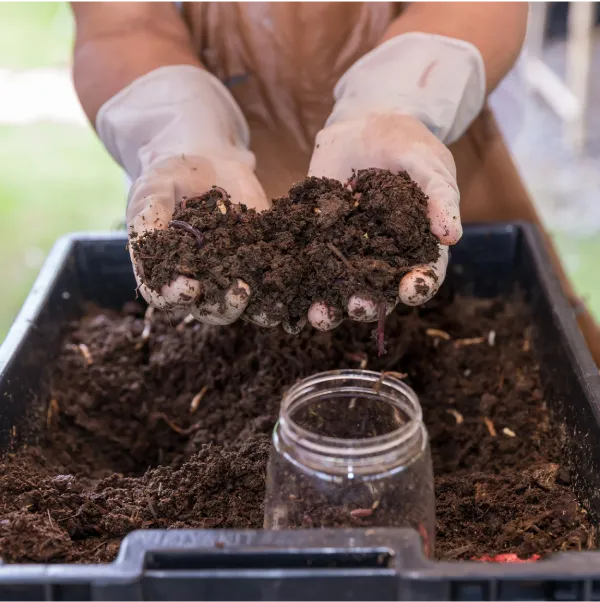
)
(118, 42)
(497, 29)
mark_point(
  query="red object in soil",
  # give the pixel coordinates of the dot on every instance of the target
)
(504, 558)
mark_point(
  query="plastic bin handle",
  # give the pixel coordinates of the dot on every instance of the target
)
(262, 550)
(261, 559)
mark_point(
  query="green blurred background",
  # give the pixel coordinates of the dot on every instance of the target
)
(54, 177)
(57, 178)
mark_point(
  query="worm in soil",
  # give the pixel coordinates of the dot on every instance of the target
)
(361, 512)
(220, 190)
(179, 225)
(381, 330)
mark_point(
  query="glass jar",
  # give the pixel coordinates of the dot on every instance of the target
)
(350, 450)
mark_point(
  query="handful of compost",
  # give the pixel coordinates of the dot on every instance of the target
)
(346, 246)
(178, 132)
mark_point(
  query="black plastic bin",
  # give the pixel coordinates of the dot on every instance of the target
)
(309, 564)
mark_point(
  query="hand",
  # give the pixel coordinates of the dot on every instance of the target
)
(395, 109)
(394, 142)
(152, 201)
(177, 131)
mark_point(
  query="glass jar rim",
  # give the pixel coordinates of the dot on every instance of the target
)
(352, 448)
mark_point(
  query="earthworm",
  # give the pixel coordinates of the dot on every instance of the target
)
(220, 190)
(361, 512)
(178, 224)
(340, 256)
(381, 330)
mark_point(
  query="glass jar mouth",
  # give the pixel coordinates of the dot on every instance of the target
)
(385, 387)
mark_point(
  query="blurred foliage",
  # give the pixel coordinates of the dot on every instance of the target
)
(54, 178)
(35, 34)
(580, 257)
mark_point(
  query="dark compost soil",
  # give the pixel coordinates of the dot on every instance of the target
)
(322, 242)
(156, 425)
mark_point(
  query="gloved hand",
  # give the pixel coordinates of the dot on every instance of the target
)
(177, 131)
(396, 109)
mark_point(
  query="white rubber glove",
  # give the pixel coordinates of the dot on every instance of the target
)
(396, 109)
(177, 131)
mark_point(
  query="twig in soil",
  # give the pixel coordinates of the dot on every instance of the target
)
(84, 350)
(457, 552)
(509, 432)
(98, 547)
(340, 256)
(384, 373)
(52, 525)
(531, 523)
(179, 225)
(187, 320)
(457, 416)
(87, 356)
(398, 375)
(147, 327)
(462, 453)
(501, 382)
(151, 507)
(197, 399)
(221, 207)
(292, 359)
(436, 333)
(361, 512)
(381, 330)
(358, 357)
(377, 385)
(468, 342)
(173, 426)
(52, 412)
(490, 427)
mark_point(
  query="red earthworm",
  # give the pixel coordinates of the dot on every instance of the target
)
(188, 228)
(381, 329)
(220, 190)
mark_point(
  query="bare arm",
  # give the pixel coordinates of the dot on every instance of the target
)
(118, 42)
(497, 29)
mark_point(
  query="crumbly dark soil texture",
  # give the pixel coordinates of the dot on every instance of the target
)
(170, 428)
(323, 241)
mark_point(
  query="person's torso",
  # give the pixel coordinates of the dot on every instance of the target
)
(281, 62)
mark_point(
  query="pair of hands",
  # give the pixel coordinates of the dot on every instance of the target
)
(381, 140)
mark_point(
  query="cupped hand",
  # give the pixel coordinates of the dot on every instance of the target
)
(152, 202)
(395, 142)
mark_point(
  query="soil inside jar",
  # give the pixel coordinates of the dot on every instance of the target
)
(152, 424)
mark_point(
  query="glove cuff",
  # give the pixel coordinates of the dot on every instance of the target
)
(439, 80)
(171, 111)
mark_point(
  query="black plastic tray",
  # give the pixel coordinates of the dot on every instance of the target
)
(319, 564)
